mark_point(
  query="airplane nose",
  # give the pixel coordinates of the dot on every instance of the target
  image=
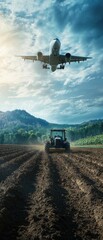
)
(56, 39)
(55, 46)
(56, 42)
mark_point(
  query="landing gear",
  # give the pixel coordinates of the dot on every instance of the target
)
(62, 66)
(45, 66)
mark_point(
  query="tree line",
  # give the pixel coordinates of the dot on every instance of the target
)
(40, 135)
(95, 140)
(21, 136)
(84, 131)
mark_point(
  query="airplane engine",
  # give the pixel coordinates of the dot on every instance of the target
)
(39, 56)
(67, 57)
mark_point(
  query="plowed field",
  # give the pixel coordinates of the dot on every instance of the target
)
(55, 196)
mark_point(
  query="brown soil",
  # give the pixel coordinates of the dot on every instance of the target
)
(55, 196)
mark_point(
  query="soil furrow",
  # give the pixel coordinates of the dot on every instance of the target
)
(93, 163)
(49, 217)
(91, 180)
(58, 196)
(88, 176)
(4, 159)
(41, 216)
(80, 197)
(8, 168)
(60, 203)
(92, 159)
(9, 157)
(14, 198)
(5, 152)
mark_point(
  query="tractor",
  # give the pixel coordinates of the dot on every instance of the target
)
(57, 140)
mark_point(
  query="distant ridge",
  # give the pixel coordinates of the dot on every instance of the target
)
(22, 119)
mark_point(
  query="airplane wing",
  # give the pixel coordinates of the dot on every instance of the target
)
(43, 58)
(78, 59)
(70, 58)
(33, 58)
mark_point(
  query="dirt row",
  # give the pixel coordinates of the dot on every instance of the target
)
(54, 196)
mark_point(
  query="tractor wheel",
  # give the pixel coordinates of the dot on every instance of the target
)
(47, 146)
(67, 147)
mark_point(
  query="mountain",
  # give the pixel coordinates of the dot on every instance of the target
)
(20, 118)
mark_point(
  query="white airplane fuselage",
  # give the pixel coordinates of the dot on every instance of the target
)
(54, 59)
(54, 53)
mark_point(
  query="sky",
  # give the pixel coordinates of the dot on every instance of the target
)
(73, 95)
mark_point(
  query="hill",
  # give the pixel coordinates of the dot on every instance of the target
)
(87, 129)
(20, 119)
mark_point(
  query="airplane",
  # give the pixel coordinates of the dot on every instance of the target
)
(55, 58)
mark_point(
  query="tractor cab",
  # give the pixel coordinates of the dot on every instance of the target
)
(57, 140)
(57, 137)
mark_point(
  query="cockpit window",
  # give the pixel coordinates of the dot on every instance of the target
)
(56, 39)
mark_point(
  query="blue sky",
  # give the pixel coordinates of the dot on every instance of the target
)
(72, 95)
